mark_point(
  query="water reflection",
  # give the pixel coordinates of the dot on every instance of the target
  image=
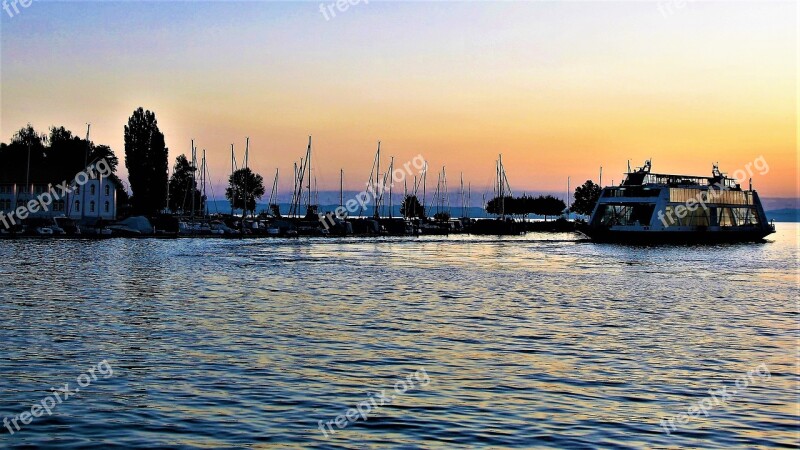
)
(540, 340)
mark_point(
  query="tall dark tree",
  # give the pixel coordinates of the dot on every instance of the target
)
(146, 160)
(412, 208)
(99, 152)
(244, 189)
(67, 151)
(182, 186)
(586, 197)
(27, 135)
(548, 206)
(57, 156)
(14, 157)
(500, 206)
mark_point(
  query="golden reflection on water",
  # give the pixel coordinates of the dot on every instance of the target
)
(250, 343)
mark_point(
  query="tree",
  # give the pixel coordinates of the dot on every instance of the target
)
(182, 186)
(58, 156)
(14, 157)
(586, 197)
(548, 206)
(146, 160)
(500, 206)
(412, 208)
(27, 135)
(245, 188)
(68, 152)
(99, 152)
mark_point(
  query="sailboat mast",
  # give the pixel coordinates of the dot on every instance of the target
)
(391, 183)
(377, 183)
(246, 196)
(568, 198)
(292, 209)
(446, 198)
(500, 187)
(308, 163)
(438, 188)
(469, 199)
(194, 178)
(204, 178)
(463, 208)
(85, 163)
(424, 188)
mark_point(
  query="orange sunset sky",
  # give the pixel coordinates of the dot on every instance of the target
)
(559, 88)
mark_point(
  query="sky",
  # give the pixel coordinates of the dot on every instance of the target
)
(559, 88)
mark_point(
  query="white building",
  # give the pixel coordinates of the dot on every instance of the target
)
(96, 199)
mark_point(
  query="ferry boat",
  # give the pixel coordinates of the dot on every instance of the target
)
(653, 208)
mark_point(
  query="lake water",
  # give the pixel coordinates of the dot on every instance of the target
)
(534, 341)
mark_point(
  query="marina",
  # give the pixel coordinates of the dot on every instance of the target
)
(380, 225)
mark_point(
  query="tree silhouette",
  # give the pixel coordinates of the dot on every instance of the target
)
(412, 208)
(146, 160)
(586, 197)
(548, 206)
(498, 205)
(244, 188)
(99, 152)
(182, 186)
(14, 156)
(58, 156)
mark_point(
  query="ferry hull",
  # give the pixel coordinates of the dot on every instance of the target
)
(677, 237)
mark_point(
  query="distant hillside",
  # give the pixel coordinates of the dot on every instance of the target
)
(777, 209)
(784, 215)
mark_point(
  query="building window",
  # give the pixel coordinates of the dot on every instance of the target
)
(77, 206)
(108, 190)
(91, 206)
(58, 205)
(77, 189)
(91, 190)
(107, 206)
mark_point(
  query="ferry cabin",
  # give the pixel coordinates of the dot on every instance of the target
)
(649, 206)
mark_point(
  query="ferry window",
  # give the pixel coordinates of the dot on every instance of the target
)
(745, 216)
(641, 214)
(697, 218)
(625, 215)
(726, 218)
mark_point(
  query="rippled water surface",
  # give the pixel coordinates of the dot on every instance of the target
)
(539, 341)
